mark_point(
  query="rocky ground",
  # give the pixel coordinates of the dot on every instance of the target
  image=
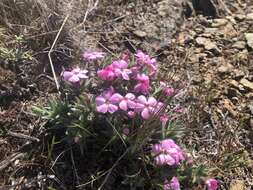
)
(214, 56)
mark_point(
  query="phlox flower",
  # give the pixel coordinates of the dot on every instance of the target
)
(120, 69)
(126, 131)
(107, 101)
(144, 59)
(143, 84)
(93, 55)
(107, 73)
(212, 184)
(126, 102)
(116, 69)
(167, 90)
(173, 184)
(167, 152)
(146, 106)
(164, 118)
(131, 114)
(120, 64)
(141, 57)
(75, 75)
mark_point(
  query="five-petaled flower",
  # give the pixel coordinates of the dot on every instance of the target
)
(212, 184)
(167, 152)
(75, 75)
(167, 90)
(173, 184)
(107, 102)
(120, 69)
(93, 55)
(143, 84)
(127, 102)
(107, 73)
(146, 106)
(145, 60)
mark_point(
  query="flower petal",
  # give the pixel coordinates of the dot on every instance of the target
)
(115, 98)
(131, 104)
(123, 105)
(152, 101)
(145, 113)
(100, 100)
(112, 108)
(67, 74)
(74, 79)
(142, 99)
(103, 108)
(130, 96)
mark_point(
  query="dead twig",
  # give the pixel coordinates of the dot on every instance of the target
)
(23, 136)
(52, 47)
(10, 159)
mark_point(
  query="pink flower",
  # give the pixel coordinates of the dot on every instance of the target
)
(167, 152)
(120, 64)
(167, 90)
(116, 69)
(144, 59)
(120, 69)
(106, 102)
(143, 84)
(172, 185)
(146, 106)
(179, 109)
(141, 57)
(125, 56)
(93, 55)
(126, 131)
(164, 118)
(75, 75)
(131, 114)
(212, 184)
(107, 73)
(126, 102)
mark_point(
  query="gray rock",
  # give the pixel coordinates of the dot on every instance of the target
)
(251, 123)
(249, 16)
(238, 74)
(249, 38)
(208, 44)
(239, 45)
(247, 84)
(219, 22)
(240, 17)
(226, 68)
(140, 33)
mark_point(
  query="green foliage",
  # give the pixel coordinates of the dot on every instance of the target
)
(17, 53)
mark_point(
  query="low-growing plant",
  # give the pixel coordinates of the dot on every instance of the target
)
(126, 123)
(17, 53)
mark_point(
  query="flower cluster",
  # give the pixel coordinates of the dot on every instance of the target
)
(167, 152)
(130, 102)
(109, 101)
(116, 69)
(130, 88)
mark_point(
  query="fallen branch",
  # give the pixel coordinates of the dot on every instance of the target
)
(51, 49)
(10, 159)
(23, 136)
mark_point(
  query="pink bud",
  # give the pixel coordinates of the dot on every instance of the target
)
(131, 114)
